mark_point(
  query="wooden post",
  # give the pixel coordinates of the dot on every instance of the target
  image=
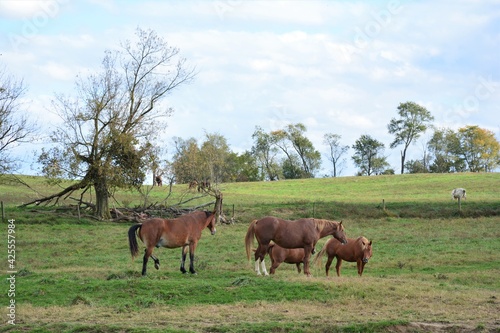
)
(383, 204)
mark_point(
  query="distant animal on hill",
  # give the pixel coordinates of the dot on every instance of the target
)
(458, 193)
(302, 233)
(279, 255)
(357, 250)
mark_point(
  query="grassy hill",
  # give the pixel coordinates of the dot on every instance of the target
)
(416, 195)
(433, 269)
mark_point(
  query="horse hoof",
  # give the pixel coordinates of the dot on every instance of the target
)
(157, 266)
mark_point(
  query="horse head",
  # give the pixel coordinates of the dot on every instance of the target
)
(366, 246)
(339, 233)
(211, 222)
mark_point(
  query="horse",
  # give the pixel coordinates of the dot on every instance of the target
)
(357, 250)
(184, 231)
(158, 181)
(279, 255)
(458, 193)
(302, 233)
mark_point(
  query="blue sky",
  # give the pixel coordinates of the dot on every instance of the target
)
(336, 66)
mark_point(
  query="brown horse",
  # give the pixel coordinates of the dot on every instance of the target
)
(279, 255)
(303, 233)
(357, 250)
(184, 231)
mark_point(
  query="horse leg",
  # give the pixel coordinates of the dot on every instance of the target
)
(157, 261)
(361, 268)
(260, 253)
(257, 267)
(147, 253)
(339, 264)
(263, 267)
(298, 267)
(192, 248)
(274, 265)
(183, 259)
(328, 264)
(307, 255)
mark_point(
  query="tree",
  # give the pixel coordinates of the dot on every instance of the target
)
(336, 150)
(116, 114)
(478, 148)
(242, 168)
(439, 146)
(367, 156)
(15, 126)
(309, 157)
(214, 153)
(301, 159)
(413, 121)
(187, 164)
(266, 154)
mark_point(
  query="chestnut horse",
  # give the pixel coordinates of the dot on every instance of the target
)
(302, 233)
(357, 250)
(279, 255)
(184, 231)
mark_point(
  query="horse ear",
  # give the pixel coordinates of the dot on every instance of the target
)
(370, 243)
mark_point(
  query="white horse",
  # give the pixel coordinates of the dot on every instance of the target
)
(458, 193)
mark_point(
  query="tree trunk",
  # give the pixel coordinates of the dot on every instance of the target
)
(102, 205)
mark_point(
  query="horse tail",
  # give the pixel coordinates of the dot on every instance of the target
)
(132, 240)
(249, 238)
(270, 248)
(319, 255)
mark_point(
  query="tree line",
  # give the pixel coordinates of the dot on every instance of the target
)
(109, 137)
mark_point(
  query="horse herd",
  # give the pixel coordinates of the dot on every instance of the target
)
(283, 240)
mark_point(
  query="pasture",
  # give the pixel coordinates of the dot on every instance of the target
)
(433, 268)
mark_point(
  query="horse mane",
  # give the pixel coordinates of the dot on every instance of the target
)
(364, 240)
(321, 224)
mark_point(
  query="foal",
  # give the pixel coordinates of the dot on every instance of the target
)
(357, 250)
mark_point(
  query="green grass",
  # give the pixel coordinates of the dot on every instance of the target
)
(76, 275)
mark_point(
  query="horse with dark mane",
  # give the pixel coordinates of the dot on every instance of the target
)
(302, 233)
(357, 250)
(184, 231)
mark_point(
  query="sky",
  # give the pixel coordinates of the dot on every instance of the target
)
(339, 67)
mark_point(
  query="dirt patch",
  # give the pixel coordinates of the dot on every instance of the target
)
(444, 328)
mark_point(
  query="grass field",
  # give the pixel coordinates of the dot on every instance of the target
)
(434, 268)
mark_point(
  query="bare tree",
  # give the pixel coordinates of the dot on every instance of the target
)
(15, 126)
(116, 114)
(336, 150)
